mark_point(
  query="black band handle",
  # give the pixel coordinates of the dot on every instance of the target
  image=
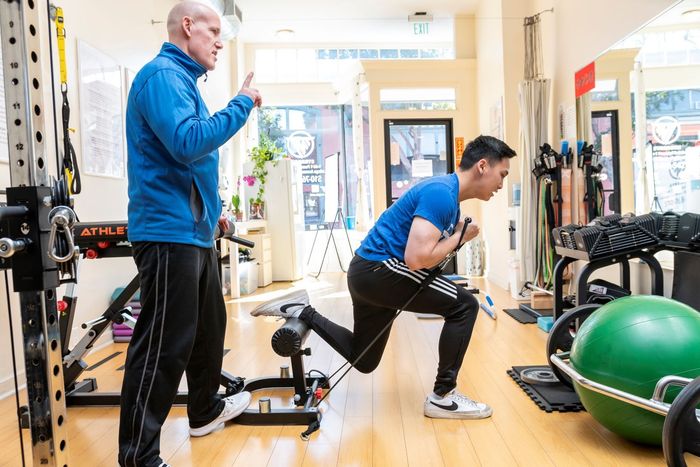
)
(467, 221)
(240, 241)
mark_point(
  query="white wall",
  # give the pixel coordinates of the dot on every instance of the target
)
(574, 34)
(577, 32)
(126, 34)
(491, 85)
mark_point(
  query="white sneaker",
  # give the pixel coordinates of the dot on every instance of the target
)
(287, 306)
(455, 405)
(234, 406)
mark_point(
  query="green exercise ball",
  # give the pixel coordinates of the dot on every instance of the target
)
(629, 344)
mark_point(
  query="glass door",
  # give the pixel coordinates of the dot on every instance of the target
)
(415, 150)
(607, 143)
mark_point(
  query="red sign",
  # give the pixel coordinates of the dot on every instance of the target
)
(585, 79)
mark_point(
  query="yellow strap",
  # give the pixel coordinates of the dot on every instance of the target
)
(69, 179)
(61, 35)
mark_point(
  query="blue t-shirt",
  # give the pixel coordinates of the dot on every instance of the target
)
(434, 199)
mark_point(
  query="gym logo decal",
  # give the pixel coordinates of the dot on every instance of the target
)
(677, 168)
(666, 130)
(300, 144)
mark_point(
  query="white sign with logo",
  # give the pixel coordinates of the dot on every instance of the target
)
(300, 145)
(666, 130)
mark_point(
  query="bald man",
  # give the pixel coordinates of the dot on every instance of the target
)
(174, 208)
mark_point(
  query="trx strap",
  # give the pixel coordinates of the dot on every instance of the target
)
(70, 162)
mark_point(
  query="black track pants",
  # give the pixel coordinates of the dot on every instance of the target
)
(378, 289)
(180, 329)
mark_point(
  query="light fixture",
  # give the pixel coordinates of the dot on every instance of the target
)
(691, 15)
(231, 17)
(284, 34)
(420, 17)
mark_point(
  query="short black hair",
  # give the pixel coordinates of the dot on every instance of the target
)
(485, 147)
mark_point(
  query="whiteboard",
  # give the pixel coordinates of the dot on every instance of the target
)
(331, 186)
(101, 113)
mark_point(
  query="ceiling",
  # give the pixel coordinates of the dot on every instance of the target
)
(684, 13)
(349, 21)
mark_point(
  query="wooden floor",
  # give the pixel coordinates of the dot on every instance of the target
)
(372, 419)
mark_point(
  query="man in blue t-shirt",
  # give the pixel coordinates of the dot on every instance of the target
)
(414, 235)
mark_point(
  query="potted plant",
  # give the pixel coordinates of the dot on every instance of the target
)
(236, 202)
(266, 151)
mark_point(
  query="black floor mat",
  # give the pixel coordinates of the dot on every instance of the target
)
(557, 398)
(535, 312)
(520, 316)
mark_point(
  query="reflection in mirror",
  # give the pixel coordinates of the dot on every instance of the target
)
(643, 117)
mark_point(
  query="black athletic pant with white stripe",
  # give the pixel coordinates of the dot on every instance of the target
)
(181, 328)
(378, 289)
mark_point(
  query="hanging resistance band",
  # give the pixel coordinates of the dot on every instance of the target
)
(547, 172)
(70, 162)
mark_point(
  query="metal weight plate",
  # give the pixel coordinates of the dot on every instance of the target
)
(562, 335)
(542, 375)
(681, 432)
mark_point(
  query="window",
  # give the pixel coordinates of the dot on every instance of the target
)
(672, 155)
(291, 65)
(319, 139)
(605, 90)
(666, 48)
(417, 99)
(369, 54)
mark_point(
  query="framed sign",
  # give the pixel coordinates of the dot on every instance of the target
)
(101, 113)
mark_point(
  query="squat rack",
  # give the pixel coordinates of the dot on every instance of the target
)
(37, 242)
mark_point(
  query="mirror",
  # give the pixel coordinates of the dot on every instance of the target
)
(642, 118)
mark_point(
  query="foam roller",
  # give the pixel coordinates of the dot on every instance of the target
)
(289, 338)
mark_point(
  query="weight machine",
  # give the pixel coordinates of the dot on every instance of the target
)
(36, 231)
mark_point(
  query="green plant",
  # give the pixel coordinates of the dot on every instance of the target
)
(265, 151)
(236, 202)
(236, 198)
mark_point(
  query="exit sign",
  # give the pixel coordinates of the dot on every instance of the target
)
(421, 29)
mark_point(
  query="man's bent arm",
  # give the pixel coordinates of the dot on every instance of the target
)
(168, 104)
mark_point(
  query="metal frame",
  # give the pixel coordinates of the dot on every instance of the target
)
(656, 404)
(449, 145)
(615, 130)
(339, 217)
(569, 256)
(31, 223)
(304, 385)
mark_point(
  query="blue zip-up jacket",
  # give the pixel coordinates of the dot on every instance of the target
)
(173, 157)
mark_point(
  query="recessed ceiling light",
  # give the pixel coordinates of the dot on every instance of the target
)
(284, 33)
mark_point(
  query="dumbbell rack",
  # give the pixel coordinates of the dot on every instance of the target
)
(569, 256)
